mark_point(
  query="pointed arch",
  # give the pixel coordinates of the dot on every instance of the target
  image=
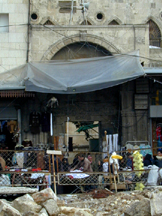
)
(48, 21)
(113, 22)
(88, 20)
(154, 33)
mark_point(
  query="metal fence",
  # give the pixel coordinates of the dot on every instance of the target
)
(119, 175)
(27, 168)
(35, 168)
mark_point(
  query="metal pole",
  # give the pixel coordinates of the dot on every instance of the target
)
(54, 174)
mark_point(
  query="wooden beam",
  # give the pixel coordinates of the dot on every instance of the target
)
(54, 152)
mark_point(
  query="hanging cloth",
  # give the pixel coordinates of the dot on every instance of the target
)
(116, 142)
(110, 143)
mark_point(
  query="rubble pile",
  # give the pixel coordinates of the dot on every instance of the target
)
(46, 203)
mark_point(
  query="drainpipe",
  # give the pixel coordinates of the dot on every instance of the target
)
(28, 33)
(134, 37)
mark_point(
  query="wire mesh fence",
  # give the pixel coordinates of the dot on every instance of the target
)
(35, 168)
(27, 168)
(118, 173)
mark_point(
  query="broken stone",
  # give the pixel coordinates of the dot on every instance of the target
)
(51, 207)
(30, 213)
(82, 212)
(60, 202)
(44, 195)
(155, 203)
(43, 212)
(139, 208)
(34, 214)
(25, 203)
(6, 209)
(75, 211)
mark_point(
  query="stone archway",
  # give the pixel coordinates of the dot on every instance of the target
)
(80, 50)
(80, 38)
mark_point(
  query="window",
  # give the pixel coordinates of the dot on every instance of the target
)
(154, 34)
(4, 23)
(65, 6)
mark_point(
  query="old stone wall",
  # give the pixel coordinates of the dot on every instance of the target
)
(116, 39)
(13, 42)
(123, 11)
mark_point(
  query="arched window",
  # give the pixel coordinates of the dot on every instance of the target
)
(154, 34)
(113, 22)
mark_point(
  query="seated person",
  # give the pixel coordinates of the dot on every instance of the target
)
(65, 165)
(147, 160)
(158, 159)
(100, 166)
(75, 162)
(123, 162)
(89, 157)
(129, 160)
(84, 164)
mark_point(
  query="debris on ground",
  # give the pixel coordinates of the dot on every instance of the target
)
(98, 202)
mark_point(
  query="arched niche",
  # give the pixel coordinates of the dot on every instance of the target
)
(154, 34)
(88, 41)
(81, 50)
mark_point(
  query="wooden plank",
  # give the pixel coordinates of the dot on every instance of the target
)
(54, 152)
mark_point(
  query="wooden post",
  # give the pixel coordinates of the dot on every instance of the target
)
(54, 152)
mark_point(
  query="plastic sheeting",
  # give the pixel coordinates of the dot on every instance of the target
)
(74, 76)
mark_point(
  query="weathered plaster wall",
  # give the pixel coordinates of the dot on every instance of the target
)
(116, 39)
(123, 11)
(13, 44)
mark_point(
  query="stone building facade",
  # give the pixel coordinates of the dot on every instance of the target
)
(13, 33)
(44, 30)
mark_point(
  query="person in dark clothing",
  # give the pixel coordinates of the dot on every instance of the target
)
(100, 165)
(158, 159)
(65, 165)
(75, 161)
(147, 160)
(129, 160)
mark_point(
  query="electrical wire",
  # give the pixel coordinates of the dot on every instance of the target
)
(21, 24)
(87, 44)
